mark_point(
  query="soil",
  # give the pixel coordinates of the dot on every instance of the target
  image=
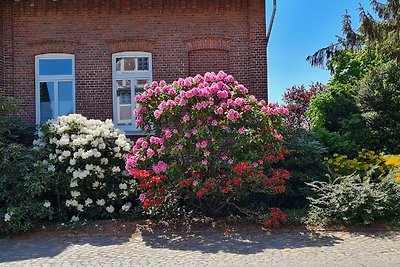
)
(136, 228)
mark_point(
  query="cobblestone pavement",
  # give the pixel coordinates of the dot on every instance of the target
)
(206, 248)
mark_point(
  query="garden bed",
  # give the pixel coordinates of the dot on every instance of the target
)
(199, 225)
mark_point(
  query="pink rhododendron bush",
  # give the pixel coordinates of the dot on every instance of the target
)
(209, 144)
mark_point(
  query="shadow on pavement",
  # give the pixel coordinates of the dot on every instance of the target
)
(40, 246)
(204, 238)
(238, 243)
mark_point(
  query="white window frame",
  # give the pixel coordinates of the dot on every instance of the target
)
(131, 129)
(55, 79)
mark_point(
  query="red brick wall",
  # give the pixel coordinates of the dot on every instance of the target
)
(257, 47)
(1, 49)
(8, 54)
(217, 60)
(177, 33)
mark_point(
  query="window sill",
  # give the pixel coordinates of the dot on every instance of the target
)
(132, 132)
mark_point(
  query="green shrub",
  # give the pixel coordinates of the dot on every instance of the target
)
(305, 162)
(8, 105)
(335, 142)
(296, 217)
(21, 201)
(328, 109)
(332, 115)
(354, 200)
(361, 114)
(21, 218)
(379, 99)
(13, 130)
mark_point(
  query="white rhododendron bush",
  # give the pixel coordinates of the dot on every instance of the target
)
(82, 161)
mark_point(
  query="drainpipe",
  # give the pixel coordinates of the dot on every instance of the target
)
(271, 23)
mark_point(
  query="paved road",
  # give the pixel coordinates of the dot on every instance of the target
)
(205, 248)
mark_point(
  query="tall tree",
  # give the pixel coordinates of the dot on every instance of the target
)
(297, 100)
(381, 34)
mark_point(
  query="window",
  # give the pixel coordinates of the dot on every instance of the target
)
(131, 71)
(55, 86)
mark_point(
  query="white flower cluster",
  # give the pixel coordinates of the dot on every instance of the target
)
(92, 153)
(7, 216)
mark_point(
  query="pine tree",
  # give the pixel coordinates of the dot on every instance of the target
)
(381, 34)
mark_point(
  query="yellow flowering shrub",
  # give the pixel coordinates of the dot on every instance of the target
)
(341, 165)
(393, 161)
(397, 177)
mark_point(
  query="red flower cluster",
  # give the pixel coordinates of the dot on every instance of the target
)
(242, 167)
(147, 182)
(152, 202)
(236, 181)
(277, 179)
(277, 217)
(201, 192)
(282, 173)
(276, 155)
(141, 174)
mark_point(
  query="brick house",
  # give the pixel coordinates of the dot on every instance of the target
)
(92, 56)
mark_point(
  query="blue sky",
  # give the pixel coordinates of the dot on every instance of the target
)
(302, 27)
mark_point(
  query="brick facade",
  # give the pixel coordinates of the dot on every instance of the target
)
(184, 36)
(1, 49)
(217, 60)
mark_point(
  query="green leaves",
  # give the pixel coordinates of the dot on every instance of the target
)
(381, 35)
(353, 200)
(21, 194)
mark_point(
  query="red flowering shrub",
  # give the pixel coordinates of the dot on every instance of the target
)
(276, 218)
(211, 143)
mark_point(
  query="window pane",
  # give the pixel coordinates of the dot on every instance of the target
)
(118, 64)
(46, 101)
(143, 63)
(125, 64)
(65, 101)
(124, 109)
(139, 86)
(55, 66)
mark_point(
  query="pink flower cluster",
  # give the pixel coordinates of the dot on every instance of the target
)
(142, 197)
(275, 109)
(186, 118)
(202, 144)
(233, 115)
(219, 92)
(160, 167)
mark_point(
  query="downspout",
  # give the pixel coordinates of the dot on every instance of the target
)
(271, 23)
